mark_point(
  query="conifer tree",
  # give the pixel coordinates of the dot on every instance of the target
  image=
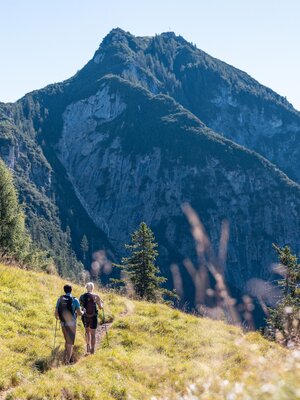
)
(84, 246)
(15, 242)
(284, 319)
(140, 265)
(12, 221)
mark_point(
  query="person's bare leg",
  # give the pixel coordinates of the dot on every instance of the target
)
(68, 347)
(88, 339)
(93, 340)
(68, 353)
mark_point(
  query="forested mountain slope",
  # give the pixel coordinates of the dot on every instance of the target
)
(225, 98)
(110, 147)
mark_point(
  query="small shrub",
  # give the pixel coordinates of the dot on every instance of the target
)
(118, 393)
(42, 364)
(122, 325)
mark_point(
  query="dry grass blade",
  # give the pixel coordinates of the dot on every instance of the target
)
(210, 265)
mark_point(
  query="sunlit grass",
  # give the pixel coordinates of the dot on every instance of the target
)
(155, 352)
(27, 323)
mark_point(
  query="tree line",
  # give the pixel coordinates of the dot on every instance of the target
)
(16, 244)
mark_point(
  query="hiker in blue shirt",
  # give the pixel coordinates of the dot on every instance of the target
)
(67, 309)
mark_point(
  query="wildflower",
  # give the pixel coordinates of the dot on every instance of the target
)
(288, 310)
(268, 388)
(261, 360)
(224, 383)
(238, 387)
(296, 354)
(206, 386)
(231, 396)
(192, 388)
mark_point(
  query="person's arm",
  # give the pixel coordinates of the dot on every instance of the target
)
(78, 308)
(81, 301)
(99, 302)
(79, 312)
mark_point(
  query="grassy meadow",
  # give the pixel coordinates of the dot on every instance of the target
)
(155, 352)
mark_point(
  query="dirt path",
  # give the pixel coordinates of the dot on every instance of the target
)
(102, 330)
(102, 333)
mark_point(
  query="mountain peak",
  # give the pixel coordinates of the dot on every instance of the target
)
(172, 36)
(115, 34)
(116, 31)
(119, 35)
(168, 35)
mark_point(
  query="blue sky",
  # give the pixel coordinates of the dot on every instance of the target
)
(46, 41)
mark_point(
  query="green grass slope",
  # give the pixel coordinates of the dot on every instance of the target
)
(155, 352)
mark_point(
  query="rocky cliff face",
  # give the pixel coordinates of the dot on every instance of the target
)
(125, 170)
(110, 147)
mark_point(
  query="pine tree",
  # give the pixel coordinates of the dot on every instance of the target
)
(15, 242)
(284, 319)
(84, 246)
(140, 265)
(12, 221)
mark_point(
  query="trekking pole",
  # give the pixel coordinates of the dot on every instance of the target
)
(54, 336)
(105, 326)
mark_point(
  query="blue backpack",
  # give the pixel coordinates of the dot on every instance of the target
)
(65, 309)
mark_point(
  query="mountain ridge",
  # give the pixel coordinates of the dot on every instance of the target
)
(116, 33)
(110, 118)
(221, 90)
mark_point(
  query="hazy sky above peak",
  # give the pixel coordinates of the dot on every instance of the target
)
(46, 41)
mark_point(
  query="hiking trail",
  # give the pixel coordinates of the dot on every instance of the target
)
(101, 330)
